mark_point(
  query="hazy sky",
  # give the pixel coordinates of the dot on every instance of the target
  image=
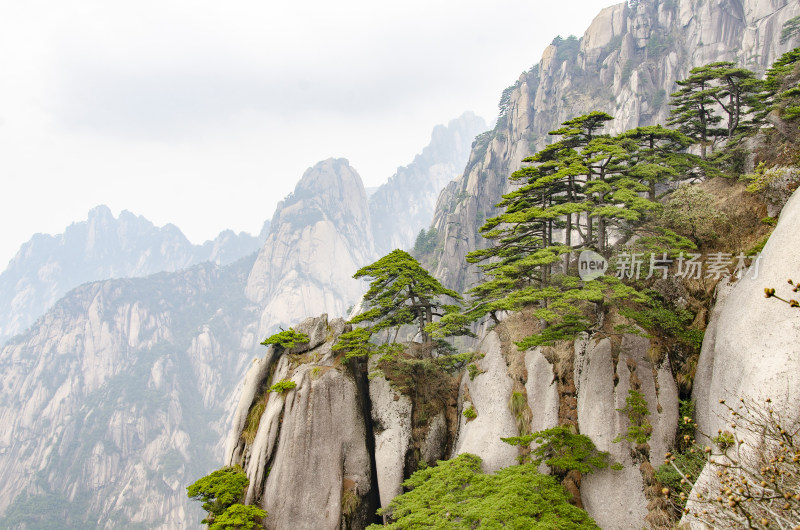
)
(206, 113)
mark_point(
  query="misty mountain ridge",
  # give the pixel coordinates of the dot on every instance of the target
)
(112, 351)
(102, 247)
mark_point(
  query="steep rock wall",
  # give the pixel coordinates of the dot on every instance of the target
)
(750, 347)
(626, 64)
(405, 203)
(310, 463)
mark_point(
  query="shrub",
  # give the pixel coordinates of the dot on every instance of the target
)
(239, 517)
(691, 212)
(286, 339)
(639, 429)
(456, 494)
(752, 485)
(282, 386)
(474, 371)
(470, 413)
(219, 490)
(562, 450)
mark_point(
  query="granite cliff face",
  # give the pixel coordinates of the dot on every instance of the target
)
(626, 64)
(310, 460)
(310, 472)
(750, 346)
(404, 205)
(102, 247)
(320, 235)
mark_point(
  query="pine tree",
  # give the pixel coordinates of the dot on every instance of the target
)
(572, 197)
(401, 292)
(693, 110)
(711, 89)
(657, 155)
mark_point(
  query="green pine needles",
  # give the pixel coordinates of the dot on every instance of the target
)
(220, 493)
(562, 450)
(286, 339)
(402, 293)
(281, 387)
(456, 494)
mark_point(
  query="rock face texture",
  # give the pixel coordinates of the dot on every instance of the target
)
(404, 205)
(750, 347)
(314, 438)
(102, 247)
(488, 395)
(320, 236)
(603, 378)
(626, 64)
(111, 403)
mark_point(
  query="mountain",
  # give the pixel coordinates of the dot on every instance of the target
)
(626, 64)
(111, 400)
(320, 235)
(102, 247)
(404, 205)
(114, 399)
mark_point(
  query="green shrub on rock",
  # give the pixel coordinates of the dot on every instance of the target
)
(456, 494)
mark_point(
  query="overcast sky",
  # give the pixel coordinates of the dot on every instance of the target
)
(206, 113)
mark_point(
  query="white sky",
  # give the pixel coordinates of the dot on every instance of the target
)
(206, 113)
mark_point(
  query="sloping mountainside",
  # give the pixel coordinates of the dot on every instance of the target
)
(102, 247)
(404, 205)
(112, 401)
(320, 235)
(626, 64)
(109, 402)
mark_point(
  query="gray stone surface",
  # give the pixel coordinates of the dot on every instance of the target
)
(490, 392)
(391, 416)
(542, 391)
(615, 499)
(750, 349)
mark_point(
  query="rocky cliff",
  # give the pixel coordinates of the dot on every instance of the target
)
(310, 472)
(750, 348)
(102, 247)
(320, 235)
(307, 451)
(404, 205)
(112, 400)
(626, 64)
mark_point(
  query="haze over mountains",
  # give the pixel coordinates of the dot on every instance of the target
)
(114, 396)
(102, 247)
(121, 393)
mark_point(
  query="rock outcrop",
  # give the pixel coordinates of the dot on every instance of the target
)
(310, 460)
(750, 346)
(604, 375)
(488, 394)
(102, 247)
